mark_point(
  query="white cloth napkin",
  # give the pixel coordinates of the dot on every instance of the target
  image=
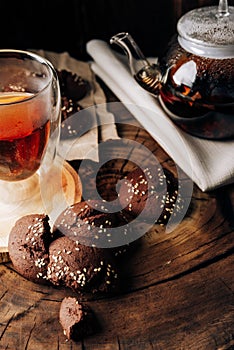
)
(210, 164)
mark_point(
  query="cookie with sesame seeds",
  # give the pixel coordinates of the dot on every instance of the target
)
(82, 268)
(149, 193)
(76, 318)
(96, 223)
(73, 89)
(72, 85)
(28, 246)
(69, 107)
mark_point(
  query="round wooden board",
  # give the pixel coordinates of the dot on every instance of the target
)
(69, 192)
(177, 287)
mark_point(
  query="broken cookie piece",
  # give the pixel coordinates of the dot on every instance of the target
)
(76, 319)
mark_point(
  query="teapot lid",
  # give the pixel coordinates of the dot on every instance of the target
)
(208, 31)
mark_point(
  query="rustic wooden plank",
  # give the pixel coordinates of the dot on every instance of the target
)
(193, 243)
(195, 309)
(29, 314)
(4, 256)
(178, 287)
(167, 313)
(111, 345)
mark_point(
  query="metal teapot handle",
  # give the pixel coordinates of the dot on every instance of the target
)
(136, 58)
(147, 75)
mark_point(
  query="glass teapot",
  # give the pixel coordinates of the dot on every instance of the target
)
(194, 81)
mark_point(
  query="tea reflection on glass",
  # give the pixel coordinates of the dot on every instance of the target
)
(30, 107)
(29, 113)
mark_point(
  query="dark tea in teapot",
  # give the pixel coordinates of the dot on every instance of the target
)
(199, 93)
(194, 80)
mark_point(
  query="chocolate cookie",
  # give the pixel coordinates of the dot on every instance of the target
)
(69, 107)
(72, 86)
(95, 223)
(76, 319)
(28, 246)
(149, 194)
(81, 267)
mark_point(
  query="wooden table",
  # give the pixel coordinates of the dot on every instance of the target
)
(178, 288)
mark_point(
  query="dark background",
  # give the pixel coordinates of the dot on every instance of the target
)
(67, 25)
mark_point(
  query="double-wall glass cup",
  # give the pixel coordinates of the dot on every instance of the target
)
(30, 108)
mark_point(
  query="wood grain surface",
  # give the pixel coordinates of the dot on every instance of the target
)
(178, 287)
